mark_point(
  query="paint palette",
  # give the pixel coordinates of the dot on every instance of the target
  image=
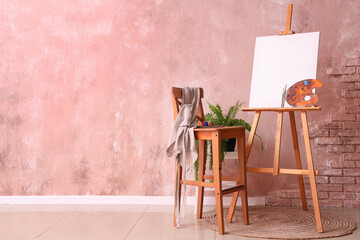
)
(302, 93)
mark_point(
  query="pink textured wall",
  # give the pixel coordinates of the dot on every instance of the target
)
(85, 86)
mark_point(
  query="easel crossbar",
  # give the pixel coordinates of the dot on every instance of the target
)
(281, 171)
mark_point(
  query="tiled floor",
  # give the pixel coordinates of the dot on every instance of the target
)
(108, 222)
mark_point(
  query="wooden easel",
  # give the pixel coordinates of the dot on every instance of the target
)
(299, 171)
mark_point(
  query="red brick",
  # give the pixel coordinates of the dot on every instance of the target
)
(351, 156)
(352, 172)
(342, 133)
(342, 195)
(321, 179)
(329, 187)
(350, 62)
(341, 71)
(347, 180)
(330, 172)
(347, 164)
(343, 117)
(352, 109)
(334, 164)
(341, 148)
(295, 194)
(358, 196)
(319, 133)
(332, 125)
(328, 140)
(330, 203)
(321, 195)
(358, 164)
(295, 202)
(358, 180)
(312, 125)
(349, 86)
(357, 148)
(358, 70)
(351, 125)
(357, 102)
(342, 164)
(351, 203)
(347, 102)
(289, 194)
(352, 188)
(318, 179)
(350, 93)
(350, 78)
(357, 85)
(351, 140)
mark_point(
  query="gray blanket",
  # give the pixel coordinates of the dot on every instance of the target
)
(182, 141)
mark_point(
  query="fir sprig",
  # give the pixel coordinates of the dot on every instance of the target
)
(217, 117)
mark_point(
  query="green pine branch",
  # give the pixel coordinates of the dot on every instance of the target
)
(217, 117)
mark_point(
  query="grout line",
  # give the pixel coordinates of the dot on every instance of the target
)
(60, 220)
(136, 222)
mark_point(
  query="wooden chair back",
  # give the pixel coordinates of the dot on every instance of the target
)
(176, 95)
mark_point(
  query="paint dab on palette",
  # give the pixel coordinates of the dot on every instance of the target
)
(301, 93)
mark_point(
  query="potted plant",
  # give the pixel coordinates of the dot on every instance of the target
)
(217, 117)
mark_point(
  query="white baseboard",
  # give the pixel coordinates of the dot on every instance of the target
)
(154, 200)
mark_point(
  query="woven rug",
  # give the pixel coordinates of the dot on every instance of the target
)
(281, 223)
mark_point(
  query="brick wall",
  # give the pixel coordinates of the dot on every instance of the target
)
(339, 183)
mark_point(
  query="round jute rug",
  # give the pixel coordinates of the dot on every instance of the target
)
(281, 223)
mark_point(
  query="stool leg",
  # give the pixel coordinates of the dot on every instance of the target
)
(201, 178)
(297, 158)
(217, 181)
(311, 172)
(242, 172)
(178, 177)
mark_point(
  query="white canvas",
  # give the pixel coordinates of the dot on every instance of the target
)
(280, 61)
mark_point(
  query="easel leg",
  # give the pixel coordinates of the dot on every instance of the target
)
(241, 181)
(232, 206)
(311, 172)
(201, 178)
(298, 161)
(278, 143)
(252, 135)
(217, 182)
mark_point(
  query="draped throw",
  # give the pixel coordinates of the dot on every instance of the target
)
(182, 143)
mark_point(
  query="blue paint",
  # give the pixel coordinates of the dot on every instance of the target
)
(305, 82)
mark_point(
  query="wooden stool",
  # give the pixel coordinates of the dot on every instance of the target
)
(216, 134)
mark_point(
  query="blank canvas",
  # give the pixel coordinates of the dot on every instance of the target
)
(280, 61)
